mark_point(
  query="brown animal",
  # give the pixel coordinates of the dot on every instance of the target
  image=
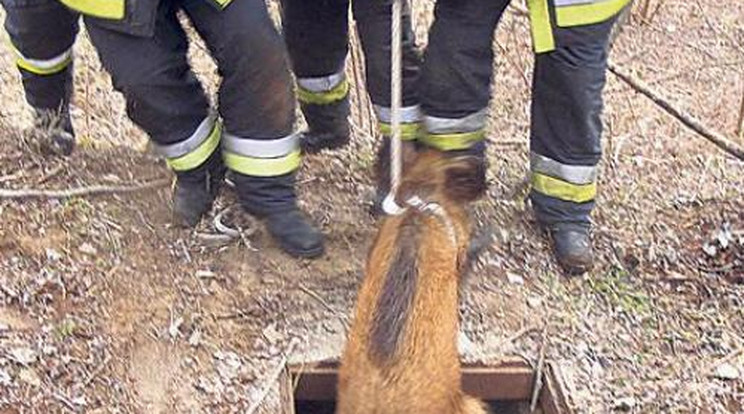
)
(401, 356)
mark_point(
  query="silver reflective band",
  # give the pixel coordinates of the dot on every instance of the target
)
(257, 148)
(46, 64)
(191, 143)
(575, 174)
(560, 3)
(408, 114)
(322, 84)
(473, 122)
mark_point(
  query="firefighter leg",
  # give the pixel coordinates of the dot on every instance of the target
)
(166, 100)
(42, 34)
(257, 105)
(316, 34)
(373, 19)
(565, 138)
(456, 78)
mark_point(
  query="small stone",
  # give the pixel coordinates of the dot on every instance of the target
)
(111, 178)
(228, 365)
(87, 248)
(534, 302)
(4, 328)
(724, 236)
(514, 278)
(624, 404)
(23, 356)
(203, 384)
(174, 328)
(79, 401)
(710, 249)
(195, 338)
(464, 344)
(49, 350)
(29, 377)
(205, 274)
(271, 334)
(5, 379)
(53, 255)
(727, 372)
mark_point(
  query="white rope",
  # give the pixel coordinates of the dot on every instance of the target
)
(389, 205)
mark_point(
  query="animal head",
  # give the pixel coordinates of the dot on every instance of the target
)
(436, 177)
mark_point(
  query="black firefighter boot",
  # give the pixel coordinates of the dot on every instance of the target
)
(54, 127)
(572, 245)
(195, 190)
(273, 199)
(328, 126)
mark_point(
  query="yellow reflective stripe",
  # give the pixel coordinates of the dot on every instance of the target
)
(542, 30)
(336, 94)
(408, 132)
(42, 66)
(563, 190)
(262, 167)
(590, 13)
(200, 154)
(453, 142)
(24, 64)
(223, 3)
(105, 9)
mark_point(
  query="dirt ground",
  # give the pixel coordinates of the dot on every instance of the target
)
(105, 307)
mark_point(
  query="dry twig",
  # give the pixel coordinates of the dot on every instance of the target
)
(520, 333)
(272, 379)
(80, 191)
(539, 372)
(728, 358)
(325, 304)
(687, 119)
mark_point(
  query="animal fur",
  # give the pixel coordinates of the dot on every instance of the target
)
(401, 356)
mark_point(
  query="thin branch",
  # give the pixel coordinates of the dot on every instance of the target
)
(325, 304)
(539, 371)
(272, 379)
(81, 191)
(687, 119)
(520, 333)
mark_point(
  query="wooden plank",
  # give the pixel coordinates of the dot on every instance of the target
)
(510, 380)
(498, 383)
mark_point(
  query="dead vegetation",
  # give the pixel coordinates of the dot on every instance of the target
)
(106, 308)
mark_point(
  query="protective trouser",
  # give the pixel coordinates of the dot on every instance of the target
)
(316, 33)
(256, 102)
(42, 33)
(570, 38)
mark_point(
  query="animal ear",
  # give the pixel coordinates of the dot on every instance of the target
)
(465, 179)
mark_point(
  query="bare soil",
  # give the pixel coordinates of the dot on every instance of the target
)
(106, 307)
